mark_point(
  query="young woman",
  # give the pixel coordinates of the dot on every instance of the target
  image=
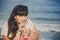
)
(18, 24)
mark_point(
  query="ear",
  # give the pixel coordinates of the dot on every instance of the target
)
(15, 17)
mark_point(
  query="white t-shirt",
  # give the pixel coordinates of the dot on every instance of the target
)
(28, 25)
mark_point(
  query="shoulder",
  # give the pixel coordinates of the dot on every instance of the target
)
(29, 24)
(29, 21)
(5, 25)
(34, 34)
(4, 29)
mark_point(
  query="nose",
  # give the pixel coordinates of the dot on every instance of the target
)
(24, 17)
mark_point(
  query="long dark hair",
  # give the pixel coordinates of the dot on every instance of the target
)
(20, 10)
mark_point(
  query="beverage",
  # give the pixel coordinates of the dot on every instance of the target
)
(25, 35)
(25, 38)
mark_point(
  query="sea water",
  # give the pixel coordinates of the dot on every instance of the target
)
(45, 14)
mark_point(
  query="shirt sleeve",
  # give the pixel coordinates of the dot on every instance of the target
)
(29, 24)
(4, 29)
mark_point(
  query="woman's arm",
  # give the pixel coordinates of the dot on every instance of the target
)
(4, 37)
(17, 37)
(34, 34)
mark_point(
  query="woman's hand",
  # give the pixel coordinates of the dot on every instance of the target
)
(21, 27)
(20, 22)
(26, 32)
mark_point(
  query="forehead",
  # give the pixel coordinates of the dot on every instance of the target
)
(20, 16)
(22, 13)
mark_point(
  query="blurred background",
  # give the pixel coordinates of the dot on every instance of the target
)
(45, 14)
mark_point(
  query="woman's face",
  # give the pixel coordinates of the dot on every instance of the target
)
(20, 19)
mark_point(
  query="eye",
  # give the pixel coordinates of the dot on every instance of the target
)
(19, 23)
(22, 26)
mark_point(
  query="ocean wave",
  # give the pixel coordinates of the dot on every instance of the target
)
(48, 27)
(45, 11)
(49, 19)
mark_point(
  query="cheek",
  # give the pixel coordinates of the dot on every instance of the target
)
(17, 19)
(23, 19)
(20, 20)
